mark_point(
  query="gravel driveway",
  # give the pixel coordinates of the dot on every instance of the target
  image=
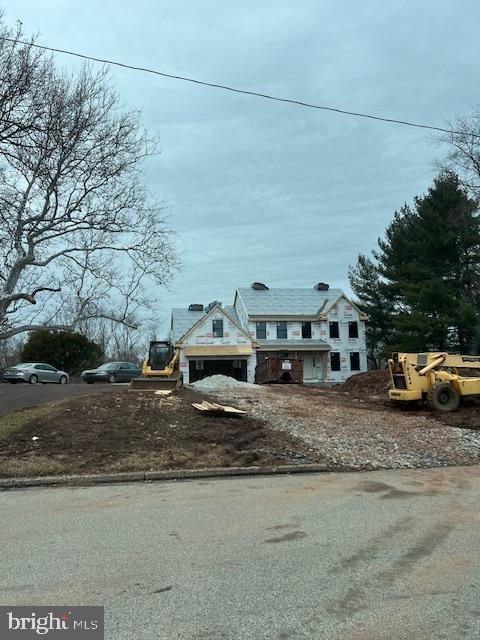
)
(352, 432)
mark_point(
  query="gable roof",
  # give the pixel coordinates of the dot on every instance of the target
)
(328, 306)
(184, 321)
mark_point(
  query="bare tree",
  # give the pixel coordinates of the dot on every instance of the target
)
(464, 150)
(127, 344)
(79, 234)
(10, 351)
(118, 341)
(23, 72)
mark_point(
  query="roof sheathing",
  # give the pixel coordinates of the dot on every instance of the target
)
(287, 303)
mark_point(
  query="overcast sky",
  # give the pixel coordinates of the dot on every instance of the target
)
(265, 191)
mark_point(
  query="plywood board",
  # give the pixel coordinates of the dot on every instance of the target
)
(213, 407)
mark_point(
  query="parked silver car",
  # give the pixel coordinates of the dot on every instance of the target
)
(34, 372)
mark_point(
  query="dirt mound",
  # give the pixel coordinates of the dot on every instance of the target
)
(376, 382)
(137, 430)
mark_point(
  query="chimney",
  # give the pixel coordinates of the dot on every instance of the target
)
(212, 304)
(195, 307)
(259, 286)
(321, 286)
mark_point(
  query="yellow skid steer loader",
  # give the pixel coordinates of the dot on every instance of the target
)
(432, 377)
(160, 369)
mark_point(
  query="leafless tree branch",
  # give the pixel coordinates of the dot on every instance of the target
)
(79, 232)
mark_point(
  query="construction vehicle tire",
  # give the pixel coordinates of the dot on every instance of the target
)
(443, 397)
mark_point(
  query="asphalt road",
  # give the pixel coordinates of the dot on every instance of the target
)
(22, 396)
(364, 556)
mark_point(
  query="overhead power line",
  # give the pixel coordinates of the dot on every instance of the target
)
(224, 87)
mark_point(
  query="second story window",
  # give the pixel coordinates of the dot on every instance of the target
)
(353, 329)
(261, 330)
(334, 331)
(281, 330)
(218, 328)
(306, 329)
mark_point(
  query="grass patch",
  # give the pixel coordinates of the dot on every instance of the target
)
(15, 421)
(32, 466)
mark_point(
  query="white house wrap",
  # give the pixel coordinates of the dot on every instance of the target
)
(321, 326)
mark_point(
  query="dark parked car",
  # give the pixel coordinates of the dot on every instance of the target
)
(111, 372)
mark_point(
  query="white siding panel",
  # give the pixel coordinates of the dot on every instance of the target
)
(343, 313)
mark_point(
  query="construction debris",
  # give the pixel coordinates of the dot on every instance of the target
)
(163, 392)
(217, 409)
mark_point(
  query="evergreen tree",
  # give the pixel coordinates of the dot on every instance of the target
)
(423, 282)
(374, 301)
(68, 351)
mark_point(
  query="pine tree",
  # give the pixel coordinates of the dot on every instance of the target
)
(374, 299)
(426, 287)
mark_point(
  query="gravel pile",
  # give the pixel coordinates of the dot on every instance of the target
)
(221, 383)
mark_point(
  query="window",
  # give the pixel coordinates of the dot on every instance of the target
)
(334, 361)
(353, 329)
(306, 329)
(261, 330)
(218, 328)
(355, 361)
(334, 332)
(281, 330)
(282, 355)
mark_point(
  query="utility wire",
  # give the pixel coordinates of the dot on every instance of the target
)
(266, 96)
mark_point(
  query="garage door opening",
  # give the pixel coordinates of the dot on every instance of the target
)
(199, 369)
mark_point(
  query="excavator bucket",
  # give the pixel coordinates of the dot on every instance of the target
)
(171, 382)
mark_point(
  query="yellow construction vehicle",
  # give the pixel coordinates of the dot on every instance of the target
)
(432, 377)
(160, 369)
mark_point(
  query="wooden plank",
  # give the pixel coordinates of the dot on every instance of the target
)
(213, 407)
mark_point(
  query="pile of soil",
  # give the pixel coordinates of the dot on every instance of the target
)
(376, 382)
(138, 430)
